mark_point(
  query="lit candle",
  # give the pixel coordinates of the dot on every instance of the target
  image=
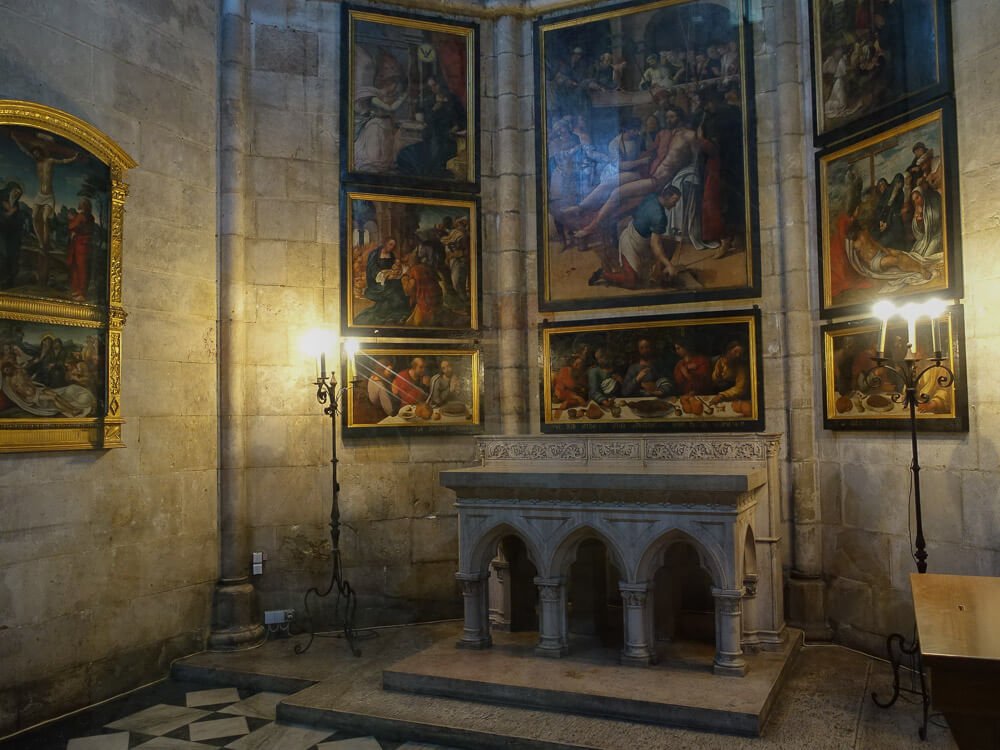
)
(911, 333)
(884, 310)
(322, 365)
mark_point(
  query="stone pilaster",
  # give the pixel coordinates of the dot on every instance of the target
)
(638, 647)
(552, 638)
(729, 659)
(476, 630)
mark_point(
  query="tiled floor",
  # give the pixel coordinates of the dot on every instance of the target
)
(186, 716)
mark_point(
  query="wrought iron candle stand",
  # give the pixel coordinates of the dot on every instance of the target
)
(330, 396)
(908, 375)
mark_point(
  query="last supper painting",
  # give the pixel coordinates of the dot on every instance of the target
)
(644, 130)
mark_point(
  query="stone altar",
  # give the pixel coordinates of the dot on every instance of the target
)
(639, 495)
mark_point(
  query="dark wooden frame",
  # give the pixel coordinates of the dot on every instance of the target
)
(838, 415)
(942, 111)
(349, 325)
(711, 330)
(906, 100)
(470, 32)
(358, 368)
(751, 222)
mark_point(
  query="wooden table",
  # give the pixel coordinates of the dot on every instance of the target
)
(958, 621)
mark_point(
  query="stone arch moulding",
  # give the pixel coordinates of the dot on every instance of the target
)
(61, 284)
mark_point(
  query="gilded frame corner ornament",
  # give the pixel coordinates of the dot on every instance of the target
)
(60, 322)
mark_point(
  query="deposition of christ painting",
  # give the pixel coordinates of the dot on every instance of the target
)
(676, 373)
(411, 89)
(413, 264)
(55, 207)
(645, 143)
(888, 213)
(876, 58)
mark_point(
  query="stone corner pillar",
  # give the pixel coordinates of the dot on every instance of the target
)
(729, 659)
(807, 606)
(552, 631)
(476, 629)
(236, 621)
(637, 650)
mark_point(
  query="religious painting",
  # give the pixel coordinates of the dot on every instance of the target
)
(646, 156)
(860, 393)
(411, 264)
(411, 389)
(873, 59)
(697, 372)
(53, 386)
(62, 196)
(411, 93)
(888, 206)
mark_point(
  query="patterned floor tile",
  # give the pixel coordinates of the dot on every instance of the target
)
(170, 743)
(280, 737)
(159, 719)
(116, 741)
(234, 726)
(355, 743)
(211, 697)
(262, 705)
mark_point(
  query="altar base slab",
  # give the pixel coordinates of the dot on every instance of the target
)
(680, 691)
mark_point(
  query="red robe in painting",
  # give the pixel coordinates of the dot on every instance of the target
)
(711, 201)
(842, 276)
(694, 375)
(81, 231)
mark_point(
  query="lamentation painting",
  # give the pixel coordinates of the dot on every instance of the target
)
(673, 373)
(644, 134)
(414, 389)
(873, 59)
(50, 371)
(889, 214)
(411, 89)
(859, 394)
(55, 212)
(412, 266)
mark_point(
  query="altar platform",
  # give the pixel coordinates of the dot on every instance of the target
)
(824, 702)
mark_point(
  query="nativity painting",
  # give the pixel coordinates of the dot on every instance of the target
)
(413, 264)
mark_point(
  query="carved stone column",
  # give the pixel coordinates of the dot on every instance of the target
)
(638, 649)
(728, 650)
(750, 620)
(476, 631)
(552, 638)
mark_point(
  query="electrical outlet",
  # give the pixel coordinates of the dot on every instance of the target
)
(278, 616)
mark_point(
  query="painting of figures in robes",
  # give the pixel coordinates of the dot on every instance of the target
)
(414, 389)
(50, 371)
(860, 393)
(644, 131)
(411, 264)
(889, 214)
(55, 209)
(873, 59)
(669, 373)
(411, 88)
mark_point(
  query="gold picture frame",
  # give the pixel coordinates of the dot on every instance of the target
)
(674, 373)
(61, 312)
(405, 388)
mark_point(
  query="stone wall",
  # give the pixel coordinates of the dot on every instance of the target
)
(399, 537)
(865, 476)
(107, 558)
